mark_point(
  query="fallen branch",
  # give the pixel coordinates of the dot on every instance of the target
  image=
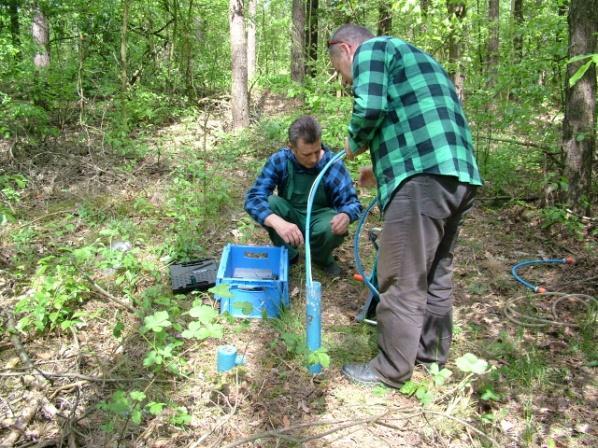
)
(18, 345)
(106, 294)
(280, 433)
(20, 424)
(516, 142)
(464, 423)
(79, 376)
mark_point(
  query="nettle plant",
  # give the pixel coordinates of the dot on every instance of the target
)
(133, 407)
(428, 390)
(61, 284)
(165, 346)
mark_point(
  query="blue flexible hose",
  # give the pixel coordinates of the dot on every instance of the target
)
(524, 263)
(310, 200)
(358, 264)
(314, 289)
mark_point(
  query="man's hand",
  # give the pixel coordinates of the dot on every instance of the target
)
(340, 223)
(349, 155)
(289, 232)
(366, 177)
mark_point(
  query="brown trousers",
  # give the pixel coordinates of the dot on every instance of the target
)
(415, 269)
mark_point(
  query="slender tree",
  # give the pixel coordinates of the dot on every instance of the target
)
(124, 77)
(457, 10)
(40, 31)
(384, 17)
(311, 37)
(240, 101)
(493, 40)
(251, 54)
(424, 5)
(517, 14)
(15, 30)
(297, 44)
(579, 124)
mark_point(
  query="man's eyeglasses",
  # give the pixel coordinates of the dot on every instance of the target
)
(334, 42)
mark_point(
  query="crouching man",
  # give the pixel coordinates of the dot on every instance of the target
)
(292, 171)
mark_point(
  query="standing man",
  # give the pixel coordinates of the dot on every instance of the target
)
(292, 172)
(406, 111)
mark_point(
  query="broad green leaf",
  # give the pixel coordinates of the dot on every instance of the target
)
(152, 358)
(441, 377)
(118, 329)
(579, 73)
(154, 407)
(137, 395)
(203, 313)
(424, 395)
(243, 306)
(580, 57)
(136, 416)
(489, 394)
(221, 290)
(157, 321)
(181, 417)
(197, 330)
(408, 388)
(471, 363)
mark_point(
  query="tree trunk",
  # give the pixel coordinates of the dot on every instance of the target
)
(457, 10)
(493, 41)
(311, 37)
(240, 103)
(187, 51)
(40, 32)
(15, 30)
(297, 47)
(251, 62)
(124, 80)
(424, 5)
(384, 17)
(579, 124)
(517, 13)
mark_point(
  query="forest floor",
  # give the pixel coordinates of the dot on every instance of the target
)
(85, 384)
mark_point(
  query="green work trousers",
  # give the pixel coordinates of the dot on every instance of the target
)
(322, 240)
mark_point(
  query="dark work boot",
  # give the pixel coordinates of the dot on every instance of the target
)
(362, 374)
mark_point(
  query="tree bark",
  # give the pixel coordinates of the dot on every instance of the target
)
(311, 37)
(124, 81)
(251, 47)
(424, 5)
(40, 31)
(579, 124)
(458, 9)
(517, 13)
(384, 17)
(15, 29)
(493, 41)
(240, 102)
(297, 44)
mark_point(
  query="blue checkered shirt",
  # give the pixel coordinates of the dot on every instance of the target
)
(337, 184)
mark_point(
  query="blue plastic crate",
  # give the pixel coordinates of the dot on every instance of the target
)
(258, 280)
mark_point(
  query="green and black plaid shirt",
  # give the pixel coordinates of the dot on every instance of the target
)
(406, 110)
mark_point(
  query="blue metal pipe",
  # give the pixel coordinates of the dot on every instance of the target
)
(314, 322)
(524, 263)
(313, 290)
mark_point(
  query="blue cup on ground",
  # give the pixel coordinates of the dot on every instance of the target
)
(227, 358)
